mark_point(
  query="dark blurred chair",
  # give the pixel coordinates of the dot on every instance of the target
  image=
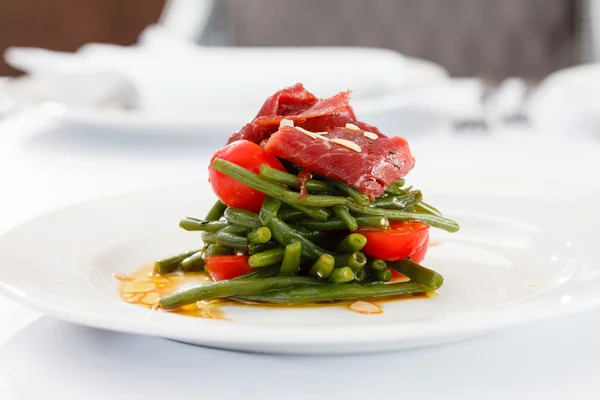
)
(68, 24)
(489, 38)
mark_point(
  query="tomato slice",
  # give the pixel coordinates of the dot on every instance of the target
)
(250, 156)
(227, 267)
(417, 257)
(401, 240)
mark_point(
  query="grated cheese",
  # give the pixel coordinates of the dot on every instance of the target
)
(348, 144)
(352, 127)
(286, 122)
(364, 307)
(370, 135)
(314, 135)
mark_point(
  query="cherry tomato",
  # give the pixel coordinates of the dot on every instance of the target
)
(417, 257)
(227, 267)
(250, 156)
(401, 240)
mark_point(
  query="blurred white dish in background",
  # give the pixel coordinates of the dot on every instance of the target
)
(406, 110)
(568, 101)
(181, 87)
(68, 79)
(509, 264)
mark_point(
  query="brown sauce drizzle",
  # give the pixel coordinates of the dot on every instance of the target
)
(143, 288)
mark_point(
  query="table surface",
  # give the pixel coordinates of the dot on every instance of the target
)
(43, 167)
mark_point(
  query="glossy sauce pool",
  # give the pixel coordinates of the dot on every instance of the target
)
(143, 288)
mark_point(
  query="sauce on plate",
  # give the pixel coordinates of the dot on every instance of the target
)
(144, 288)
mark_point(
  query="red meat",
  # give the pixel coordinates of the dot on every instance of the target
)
(297, 104)
(377, 164)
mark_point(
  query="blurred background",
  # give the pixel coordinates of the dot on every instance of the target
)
(139, 93)
(97, 97)
(469, 37)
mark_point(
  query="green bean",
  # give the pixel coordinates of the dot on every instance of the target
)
(170, 264)
(421, 206)
(254, 248)
(313, 236)
(288, 214)
(233, 288)
(193, 263)
(285, 235)
(314, 200)
(399, 183)
(341, 275)
(342, 291)
(241, 217)
(376, 221)
(355, 261)
(211, 237)
(418, 273)
(260, 235)
(317, 213)
(218, 250)
(398, 202)
(351, 243)
(291, 259)
(195, 224)
(291, 180)
(373, 221)
(376, 265)
(271, 270)
(428, 219)
(270, 208)
(360, 275)
(354, 194)
(424, 207)
(323, 267)
(396, 187)
(216, 212)
(382, 276)
(394, 190)
(268, 257)
(274, 190)
(344, 215)
(235, 229)
(237, 242)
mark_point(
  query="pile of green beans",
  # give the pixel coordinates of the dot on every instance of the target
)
(303, 248)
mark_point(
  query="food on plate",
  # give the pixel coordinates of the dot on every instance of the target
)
(312, 207)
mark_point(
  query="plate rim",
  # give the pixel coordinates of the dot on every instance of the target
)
(266, 336)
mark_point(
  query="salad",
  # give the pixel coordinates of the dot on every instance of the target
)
(312, 207)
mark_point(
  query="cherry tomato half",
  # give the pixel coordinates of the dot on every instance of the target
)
(227, 267)
(250, 156)
(401, 240)
(417, 257)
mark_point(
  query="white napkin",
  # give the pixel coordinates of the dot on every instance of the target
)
(67, 78)
(168, 75)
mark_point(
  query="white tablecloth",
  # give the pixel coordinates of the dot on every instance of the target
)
(43, 358)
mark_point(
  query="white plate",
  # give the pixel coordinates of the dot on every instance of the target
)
(516, 259)
(388, 111)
